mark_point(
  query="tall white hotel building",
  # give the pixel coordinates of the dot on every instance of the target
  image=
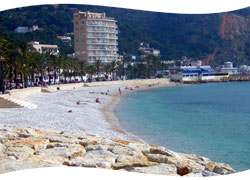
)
(95, 37)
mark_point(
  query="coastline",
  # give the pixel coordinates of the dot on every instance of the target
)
(108, 110)
(90, 135)
(97, 119)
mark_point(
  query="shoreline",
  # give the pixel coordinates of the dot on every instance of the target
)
(89, 132)
(104, 122)
(110, 116)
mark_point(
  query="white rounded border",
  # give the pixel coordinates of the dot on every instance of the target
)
(74, 173)
(171, 6)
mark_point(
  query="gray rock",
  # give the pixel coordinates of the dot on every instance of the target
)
(100, 152)
(91, 160)
(94, 147)
(65, 152)
(61, 139)
(219, 168)
(3, 138)
(157, 158)
(162, 151)
(121, 149)
(2, 148)
(223, 169)
(8, 165)
(163, 169)
(201, 174)
(140, 147)
(88, 141)
(80, 162)
(19, 152)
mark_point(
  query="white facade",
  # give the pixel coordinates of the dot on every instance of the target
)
(228, 68)
(21, 29)
(43, 48)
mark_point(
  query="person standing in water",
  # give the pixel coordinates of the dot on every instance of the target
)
(120, 91)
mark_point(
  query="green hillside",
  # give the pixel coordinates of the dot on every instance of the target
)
(214, 37)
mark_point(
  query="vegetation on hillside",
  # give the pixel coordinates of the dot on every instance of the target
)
(175, 35)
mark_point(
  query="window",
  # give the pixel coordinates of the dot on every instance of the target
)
(82, 21)
(82, 28)
(82, 40)
(76, 23)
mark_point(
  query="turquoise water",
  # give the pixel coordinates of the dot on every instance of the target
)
(211, 120)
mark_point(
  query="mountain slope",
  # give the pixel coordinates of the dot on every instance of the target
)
(214, 37)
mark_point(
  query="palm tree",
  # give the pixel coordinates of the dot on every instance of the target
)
(2, 40)
(90, 69)
(35, 63)
(24, 57)
(152, 62)
(82, 65)
(113, 68)
(107, 69)
(98, 64)
(10, 54)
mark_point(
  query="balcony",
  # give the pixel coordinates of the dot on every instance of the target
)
(102, 31)
(100, 54)
(103, 43)
(101, 25)
(105, 37)
(102, 49)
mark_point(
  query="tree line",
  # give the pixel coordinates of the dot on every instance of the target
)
(22, 66)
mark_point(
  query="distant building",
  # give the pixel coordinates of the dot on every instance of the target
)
(195, 73)
(20, 29)
(147, 50)
(65, 39)
(71, 55)
(43, 48)
(34, 28)
(228, 67)
(244, 69)
(95, 37)
(193, 63)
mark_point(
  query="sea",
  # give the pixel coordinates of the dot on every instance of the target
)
(211, 120)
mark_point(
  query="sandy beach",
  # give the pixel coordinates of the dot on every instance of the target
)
(58, 109)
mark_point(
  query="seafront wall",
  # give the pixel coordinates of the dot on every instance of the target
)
(25, 148)
(234, 78)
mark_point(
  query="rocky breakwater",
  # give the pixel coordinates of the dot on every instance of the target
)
(25, 148)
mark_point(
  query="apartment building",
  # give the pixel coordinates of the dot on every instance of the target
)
(95, 37)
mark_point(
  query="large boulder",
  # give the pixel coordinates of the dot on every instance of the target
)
(219, 168)
(161, 169)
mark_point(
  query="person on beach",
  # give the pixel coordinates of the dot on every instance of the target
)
(97, 100)
(79, 102)
(120, 91)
